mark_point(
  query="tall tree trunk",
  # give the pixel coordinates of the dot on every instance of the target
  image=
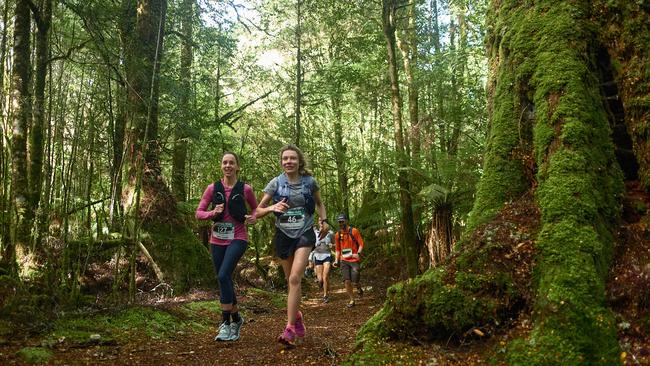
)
(409, 47)
(36, 143)
(4, 152)
(118, 126)
(180, 133)
(340, 152)
(148, 201)
(22, 100)
(458, 81)
(439, 89)
(543, 78)
(409, 241)
(142, 60)
(298, 101)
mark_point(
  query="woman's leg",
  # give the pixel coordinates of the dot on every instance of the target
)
(232, 254)
(319, 273)
(294, 267)
(326, 281)
(218, 252)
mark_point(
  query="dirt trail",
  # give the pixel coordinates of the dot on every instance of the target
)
(331, 330)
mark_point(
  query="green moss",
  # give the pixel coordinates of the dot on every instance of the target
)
(203, 306)
(373, 353)
(278, 300)
(126, 325)
(185, 262)
(579, 182)
(35, 354)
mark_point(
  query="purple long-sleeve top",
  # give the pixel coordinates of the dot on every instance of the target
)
(202, 212)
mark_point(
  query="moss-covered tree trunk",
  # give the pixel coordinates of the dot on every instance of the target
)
(549, 199)
(181, 257)
(22, 104)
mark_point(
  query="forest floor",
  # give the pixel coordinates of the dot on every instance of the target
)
(331, 331)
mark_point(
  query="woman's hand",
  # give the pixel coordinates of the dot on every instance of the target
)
(280, 207)
(250, 219)
(218, 209)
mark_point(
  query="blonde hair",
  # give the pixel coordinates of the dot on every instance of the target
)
(302, 161)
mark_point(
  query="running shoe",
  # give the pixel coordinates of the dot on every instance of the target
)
(350, 304)
(288, 337)
(224, 332)
(235, 327)
(360, 291)
(326, 299)
(300, 326)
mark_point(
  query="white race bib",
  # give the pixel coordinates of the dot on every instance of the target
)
(294, 218)
(346, 253)
(224, 230)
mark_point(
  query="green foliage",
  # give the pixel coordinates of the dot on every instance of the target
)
(35, 355)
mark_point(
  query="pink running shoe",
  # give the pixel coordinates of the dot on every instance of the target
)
(300, 326)
(288, 337)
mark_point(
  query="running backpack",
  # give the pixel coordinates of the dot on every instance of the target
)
(283, 191)
(354, 240)
(236, 203)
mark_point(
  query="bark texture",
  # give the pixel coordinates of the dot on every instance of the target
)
(549, 199)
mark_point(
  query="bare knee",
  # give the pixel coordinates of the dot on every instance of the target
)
(294, 280)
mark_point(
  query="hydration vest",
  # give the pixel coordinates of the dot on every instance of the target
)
(354, 240)
(283, 191)
(236, 203)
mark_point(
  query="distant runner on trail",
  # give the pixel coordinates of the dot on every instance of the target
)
(349, 246)
(323, 258)
(229, 238)
(296, 197)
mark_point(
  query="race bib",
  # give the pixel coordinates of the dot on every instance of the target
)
(294, 218)
(346, 253)
(224, 230)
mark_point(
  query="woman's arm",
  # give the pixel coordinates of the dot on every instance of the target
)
(263, 210)
(322, 213)
(252, 203)
(202, 212)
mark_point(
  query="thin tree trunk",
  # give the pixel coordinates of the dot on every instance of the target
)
(340, 153)
(409, 48)
(36, 145)
(118, 125)
(4, 152)
(298, 101)
(401, 159)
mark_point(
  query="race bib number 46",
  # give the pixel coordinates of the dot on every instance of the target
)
(224, 230)
(294, 218)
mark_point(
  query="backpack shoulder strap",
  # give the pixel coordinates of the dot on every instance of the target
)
(238, 188)
(307, 183)
(218, 188)
(356, 244)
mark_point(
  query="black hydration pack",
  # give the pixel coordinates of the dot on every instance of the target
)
(236, 203)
